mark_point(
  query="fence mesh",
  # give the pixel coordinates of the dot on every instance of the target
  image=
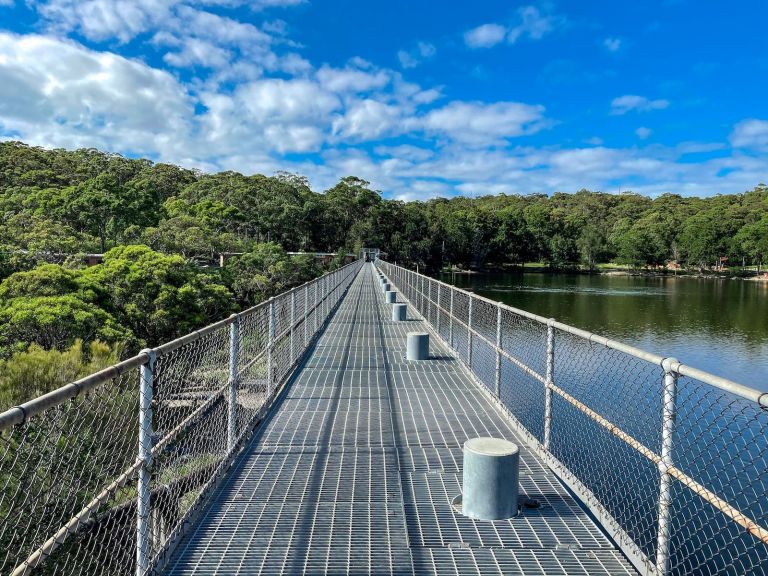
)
(70, 469)
(54, 464)
(605, 431)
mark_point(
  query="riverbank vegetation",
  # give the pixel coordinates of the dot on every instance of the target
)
(161, 228)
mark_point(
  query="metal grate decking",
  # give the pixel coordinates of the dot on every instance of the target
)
(354, 470)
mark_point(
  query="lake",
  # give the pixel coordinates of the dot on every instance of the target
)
(717, 325)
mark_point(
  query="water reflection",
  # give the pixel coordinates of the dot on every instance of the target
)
(717, 325)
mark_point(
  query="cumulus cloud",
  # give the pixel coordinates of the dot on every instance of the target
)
(751, 133)
(357, 76)
(56, 92)
(368, 120)
(485, 36)
(634, 103)
(412, 58)
(480, 123)
(247, 100)
(531, 24)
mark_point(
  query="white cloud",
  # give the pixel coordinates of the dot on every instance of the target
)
(643, 132)
(196, 52)
(632, 102)
(356, 77)
(612, 44)
(531, 24)
(238, 114)
(485, 36)
(104, 19)
(751, 133)
(422, 52)
(367, 120)
(480, 123)
(58, 93)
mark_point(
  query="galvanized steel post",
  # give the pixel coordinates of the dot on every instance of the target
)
(234, 353)
(143, 504)
(548, 382)
(293, 322)
(315, 306)
(421, 295)
(270, 347)
(437, 309)
(665, 463)
(498, 351)
(450, 320)
(469, 334)
(306, 312)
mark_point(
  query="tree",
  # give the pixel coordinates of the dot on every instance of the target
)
(36, 371)
(591, 245)
(56, 322)
(159, 297)
(753, 239)
(265, 271)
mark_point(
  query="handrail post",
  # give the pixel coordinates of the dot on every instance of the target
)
(234, 353)
(498, 351)
(450, 320)
(143, 503)
(306, 312)
(549, 382)
(469, 334)
(437, 309)
(270, 347)
(293, 321)
(668, 411)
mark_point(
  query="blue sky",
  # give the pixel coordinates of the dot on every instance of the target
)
(421, 98)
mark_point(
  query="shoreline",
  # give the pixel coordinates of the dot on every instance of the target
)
(752, 277)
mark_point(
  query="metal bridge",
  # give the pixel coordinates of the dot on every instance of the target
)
(295, 438)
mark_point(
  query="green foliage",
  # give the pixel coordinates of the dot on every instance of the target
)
(266, 271)
(162, 229)
(55, 322)
(159, 297)
(36, 371)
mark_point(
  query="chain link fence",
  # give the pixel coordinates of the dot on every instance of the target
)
(671, 460)
(78, 496)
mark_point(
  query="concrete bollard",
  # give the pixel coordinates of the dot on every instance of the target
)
(491, 479)
(399, 312)
(385, 287)
(417, 346)
(390, 297)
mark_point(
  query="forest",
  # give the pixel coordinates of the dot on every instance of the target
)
(161, 228)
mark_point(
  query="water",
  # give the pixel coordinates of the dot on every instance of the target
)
(720, 326)
(717, 325)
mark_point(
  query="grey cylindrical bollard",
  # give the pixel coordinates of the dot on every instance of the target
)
(390, 297)
(417, 346)
(399, 312)
(385, 286)
(491, 478)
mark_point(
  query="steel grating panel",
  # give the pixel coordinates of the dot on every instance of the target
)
(487, 561)
(354, 469)
(559, 522)
(297, 474)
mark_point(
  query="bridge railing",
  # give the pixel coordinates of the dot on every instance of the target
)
(673, 461)
(102, 475)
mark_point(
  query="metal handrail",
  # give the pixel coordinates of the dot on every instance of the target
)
(671, 367)
(741, 390)
(145, 361)
(19, 414)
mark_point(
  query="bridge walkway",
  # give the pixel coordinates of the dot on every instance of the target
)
(354, 470)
